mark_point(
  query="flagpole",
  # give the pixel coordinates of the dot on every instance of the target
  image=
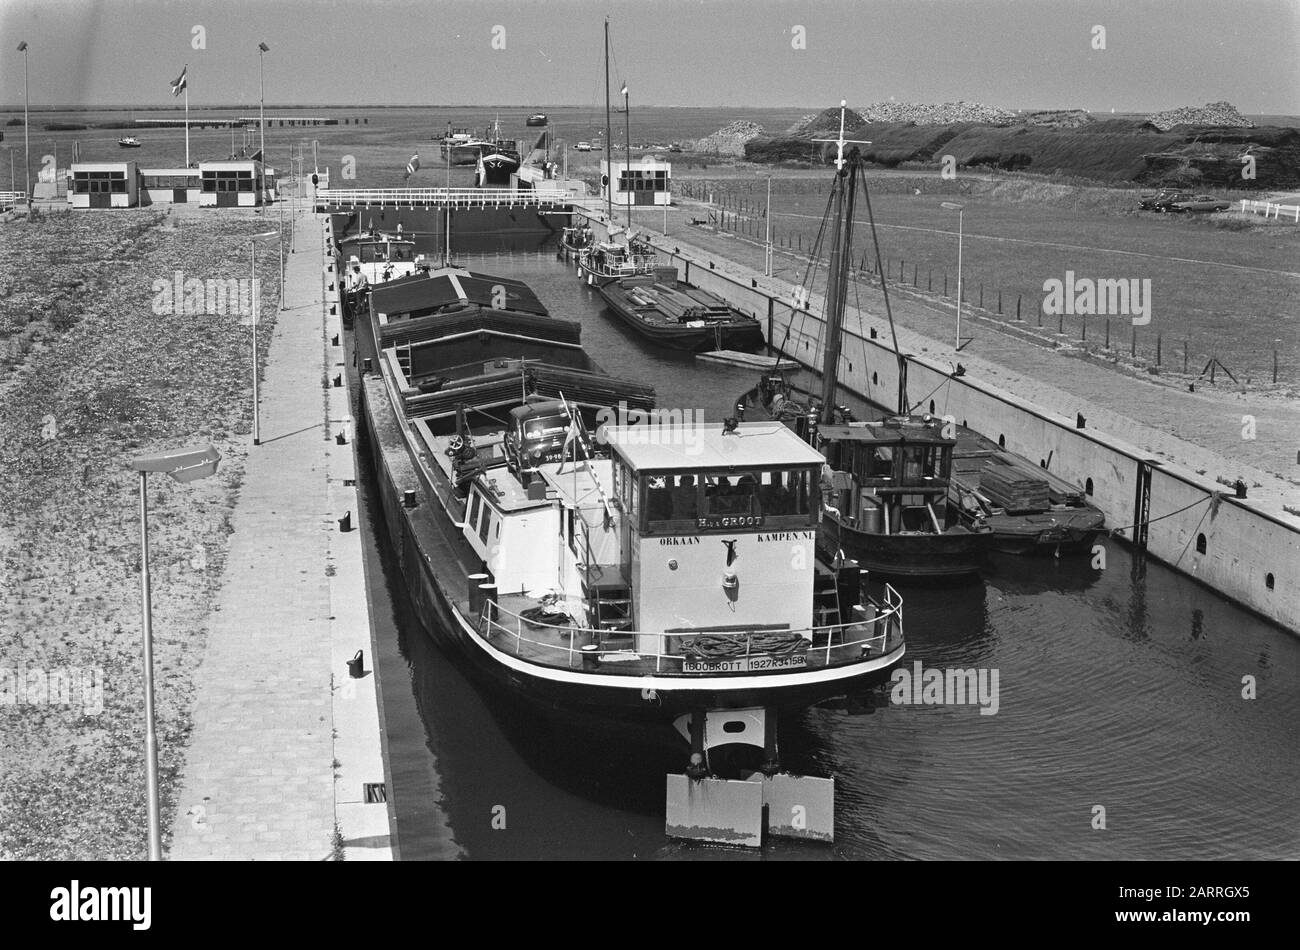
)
(187, 117)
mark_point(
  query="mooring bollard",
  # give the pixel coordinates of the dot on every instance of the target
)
(341, 439)
(408, 498)
(590, 656)
(338, 381)
(334, 341)
(367, 365)
(1079, 421)
(475, 584)
(357, 666)
(489, 600)
(1240, 487)
(345, 523)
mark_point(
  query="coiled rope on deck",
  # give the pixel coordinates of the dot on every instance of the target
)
(712, 646)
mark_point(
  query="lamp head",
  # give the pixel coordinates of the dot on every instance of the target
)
(184, 465)
(263, 48)
(22, 47)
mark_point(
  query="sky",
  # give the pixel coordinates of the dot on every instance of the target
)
(1016, 54)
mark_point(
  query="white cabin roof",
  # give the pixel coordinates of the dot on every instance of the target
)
(574, 485)
(697, 446)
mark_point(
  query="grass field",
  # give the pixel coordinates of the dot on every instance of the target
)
(1225, 291)
(90, 376)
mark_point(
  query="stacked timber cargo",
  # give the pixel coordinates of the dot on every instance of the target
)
(1011, 488)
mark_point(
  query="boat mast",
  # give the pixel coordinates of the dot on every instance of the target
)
(627, 125)
(609, 164)
(837, 279)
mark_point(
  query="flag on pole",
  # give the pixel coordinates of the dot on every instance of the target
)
(178, 84)
(623, 91)
(413, 165)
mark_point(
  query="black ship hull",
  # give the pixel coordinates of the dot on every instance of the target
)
(745, 335)
(956, 553)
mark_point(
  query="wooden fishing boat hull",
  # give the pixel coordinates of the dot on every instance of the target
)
(957, 553)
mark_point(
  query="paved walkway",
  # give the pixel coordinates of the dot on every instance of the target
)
(259, 778)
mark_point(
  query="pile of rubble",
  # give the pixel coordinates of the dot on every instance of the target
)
(1212, 113)
(1056, 118)
(942, 114)
(730, 139)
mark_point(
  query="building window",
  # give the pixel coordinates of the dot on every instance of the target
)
(1087, 487)
(1268, 580)
(1200, 544)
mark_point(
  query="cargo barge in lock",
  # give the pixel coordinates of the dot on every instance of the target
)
(568, 560)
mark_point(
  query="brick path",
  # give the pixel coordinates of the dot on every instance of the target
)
(259, 781)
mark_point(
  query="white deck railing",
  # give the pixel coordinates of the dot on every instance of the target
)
(1271, 209)
(456, 197)
(872, 634)
(11, 199)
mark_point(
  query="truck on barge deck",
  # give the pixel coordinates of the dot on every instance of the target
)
(643, 572)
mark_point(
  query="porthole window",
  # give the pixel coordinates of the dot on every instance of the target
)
(1268, 581)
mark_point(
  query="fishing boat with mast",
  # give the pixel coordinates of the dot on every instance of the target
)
(886, 483)
(580, 551)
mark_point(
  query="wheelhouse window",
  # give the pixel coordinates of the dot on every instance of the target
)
(693, 501)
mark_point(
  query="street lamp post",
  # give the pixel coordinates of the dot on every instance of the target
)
(27, 147)
(252, 248)
(280, 203)
(183, 465)
(960, 209)
(767, 215)
(261, 115)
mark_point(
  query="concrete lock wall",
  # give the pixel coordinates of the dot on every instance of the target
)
(1243, 546)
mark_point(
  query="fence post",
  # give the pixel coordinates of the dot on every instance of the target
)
(1083, 328)
(1157, 351)
(1275, 364)
(945, 283)
(1060, 326)
(914, 273)
(1133, 346)
(999, 301)
(981, 295)
(1017, 308)
(1108, 333)
(1184, 356)
(929, 279)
